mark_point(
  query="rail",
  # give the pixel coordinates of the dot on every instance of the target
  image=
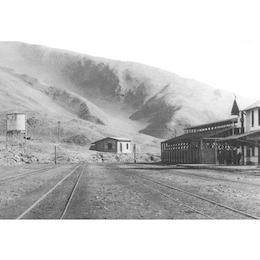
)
(200, 197)
(46, 194)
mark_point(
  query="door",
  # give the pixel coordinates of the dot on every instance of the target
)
(121, 147)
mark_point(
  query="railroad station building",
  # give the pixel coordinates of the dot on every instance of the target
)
(232, 141)
(112, 144)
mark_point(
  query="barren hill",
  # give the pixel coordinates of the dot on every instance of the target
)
(82, 122)
(95, 97)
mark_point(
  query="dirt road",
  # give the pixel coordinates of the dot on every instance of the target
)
(126, 191)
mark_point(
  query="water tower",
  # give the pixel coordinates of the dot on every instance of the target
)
(16, 130)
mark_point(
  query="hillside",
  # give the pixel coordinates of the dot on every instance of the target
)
(82, 122)
(95, 97)
(160, 100)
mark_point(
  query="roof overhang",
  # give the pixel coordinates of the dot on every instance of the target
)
(215, 124)
(253, 136)
(203, 135)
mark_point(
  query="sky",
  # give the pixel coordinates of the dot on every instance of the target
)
(215, 42)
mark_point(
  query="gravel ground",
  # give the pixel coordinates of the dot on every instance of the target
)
(235, 189)
(19, 194)
(104, 193)
(114, 191)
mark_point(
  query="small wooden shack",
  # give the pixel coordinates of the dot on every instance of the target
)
(112, 144)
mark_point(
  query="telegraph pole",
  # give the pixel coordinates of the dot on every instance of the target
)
(135, 153)
(55, 145)
(58, 132)
(55, 154)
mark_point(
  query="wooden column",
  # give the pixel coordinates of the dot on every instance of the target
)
(216, 152)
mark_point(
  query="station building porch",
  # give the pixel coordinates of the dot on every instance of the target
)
(222, 142)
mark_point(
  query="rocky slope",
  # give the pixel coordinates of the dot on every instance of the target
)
(160, 102)
(81, 121)
(94, 98)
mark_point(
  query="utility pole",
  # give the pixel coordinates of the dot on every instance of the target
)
(55, 154)
(26, 135)
(55, 145)
(6, 141)
(135, 153)
(58, 132)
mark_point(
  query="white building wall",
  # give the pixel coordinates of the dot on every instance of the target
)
(251, 159)
(239, 120)
(249, 126)
(247, 121)
(126, 147)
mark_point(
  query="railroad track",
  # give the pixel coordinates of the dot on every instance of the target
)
(190, 194)
(214, 178)
(199, 176)
(22, 175)
(71, 195)
(201, 198)
(176, 200)
(40, 201)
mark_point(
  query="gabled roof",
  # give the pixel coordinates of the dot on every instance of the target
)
(254, 105)
(198, 135)
(235, 109)
(123, 139)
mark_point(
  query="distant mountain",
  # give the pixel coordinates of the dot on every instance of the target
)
(101, 94)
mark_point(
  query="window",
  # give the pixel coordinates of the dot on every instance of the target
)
(109, 146)
(253, 151)
(252, 118)
(127, 146)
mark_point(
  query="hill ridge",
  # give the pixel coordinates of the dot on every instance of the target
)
(134, 92)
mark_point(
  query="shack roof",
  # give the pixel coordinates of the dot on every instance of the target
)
(198, 135)
(123, 139)
(120, 138)
(8, 114)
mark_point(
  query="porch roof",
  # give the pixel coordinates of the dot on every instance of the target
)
(198, 135)
(228, 121)
(252, 134)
